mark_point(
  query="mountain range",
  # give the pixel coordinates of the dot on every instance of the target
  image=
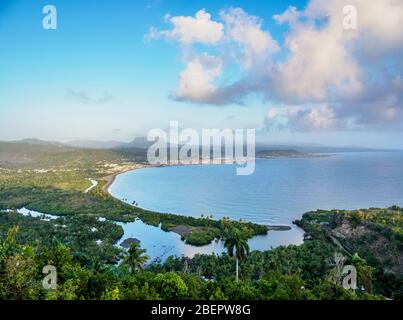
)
(142, 143)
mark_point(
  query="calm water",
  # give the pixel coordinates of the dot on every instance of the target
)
(279, 191)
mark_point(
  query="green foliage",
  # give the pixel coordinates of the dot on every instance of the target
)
(206, 277)
(236, 243)
(57, 189)
(113, 294)
(52, 179)
(170, 286)
(373, 240)
(202, 236)
(277, 286)
(76, 231)
(328, 290)
(136, 257)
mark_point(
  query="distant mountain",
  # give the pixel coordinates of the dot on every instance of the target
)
(313, 148)
(93, 144)
(137, 143)
(141, 143)
(280, 153)
(29, 151)
(37, 142)
(40, 154)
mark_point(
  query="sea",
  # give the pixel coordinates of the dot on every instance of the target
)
(280, 191)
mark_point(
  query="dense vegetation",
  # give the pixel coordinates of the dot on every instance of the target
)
(52, 179)
(376, 234)
(284, 273)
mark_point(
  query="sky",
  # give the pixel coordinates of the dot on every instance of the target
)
(298, 71)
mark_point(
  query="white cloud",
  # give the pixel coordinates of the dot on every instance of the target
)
(196, 82)
(358, 71)
(291, 15)
(379, 21)
(298, 118)
(189, 30)
(338, 78)
(239, 33)
(384, 113)
(319, 64)
(245, 30)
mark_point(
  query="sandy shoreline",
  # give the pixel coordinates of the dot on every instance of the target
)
(112, 177)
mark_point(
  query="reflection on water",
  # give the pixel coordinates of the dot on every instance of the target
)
(160, 244)
(45, 217)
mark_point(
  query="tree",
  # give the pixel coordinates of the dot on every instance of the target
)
(364, 272)
(113, 294)
(237, 246)
(170, 286)
(136, 257)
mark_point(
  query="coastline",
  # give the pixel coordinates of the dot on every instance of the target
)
(110, 179)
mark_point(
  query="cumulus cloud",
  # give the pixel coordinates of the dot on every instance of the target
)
(357, 71)
(318, 65)
(379, 21)
(299, 118)
(238, 34)
(325, 77)
(329, 62)
(291, 15)
(246, 31)
(188, 30)
(196, 82)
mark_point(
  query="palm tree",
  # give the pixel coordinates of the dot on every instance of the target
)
(237, 245)
(136, 257)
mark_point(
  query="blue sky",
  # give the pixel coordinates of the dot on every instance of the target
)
(98, 76)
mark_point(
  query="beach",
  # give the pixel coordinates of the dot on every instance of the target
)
(110, 179)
